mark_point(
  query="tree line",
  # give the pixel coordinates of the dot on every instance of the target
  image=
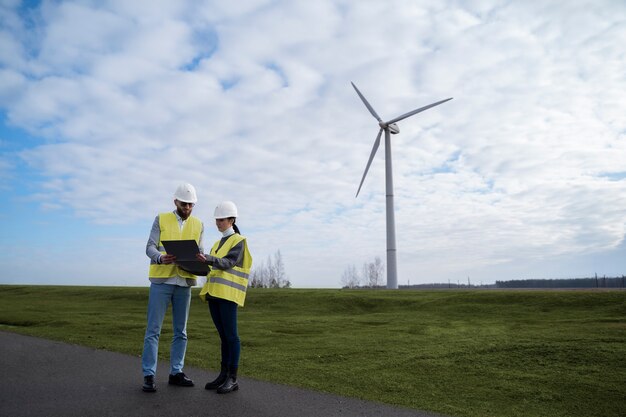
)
(270, 274)
(372, 275)
(593, 282)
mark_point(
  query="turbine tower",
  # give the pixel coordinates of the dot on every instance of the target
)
(389, 128)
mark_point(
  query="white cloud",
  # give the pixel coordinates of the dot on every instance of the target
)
(252, 102)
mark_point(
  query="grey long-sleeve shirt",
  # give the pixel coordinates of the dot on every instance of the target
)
(234, 257)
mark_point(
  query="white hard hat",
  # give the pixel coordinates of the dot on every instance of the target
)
(225, 209)
(186, 193)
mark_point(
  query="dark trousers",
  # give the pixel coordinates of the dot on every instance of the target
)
(224, 315)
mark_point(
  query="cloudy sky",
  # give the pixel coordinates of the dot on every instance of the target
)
(106, 106)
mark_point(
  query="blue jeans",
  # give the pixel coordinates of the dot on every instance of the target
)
(161, 295)
(224, 315)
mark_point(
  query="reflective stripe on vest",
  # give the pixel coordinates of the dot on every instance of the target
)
(170, 230)
(230, 284)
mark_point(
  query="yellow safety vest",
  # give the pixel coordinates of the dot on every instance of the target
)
(230, 284)
(170, 230)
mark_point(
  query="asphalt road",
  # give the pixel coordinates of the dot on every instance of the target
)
(46, 378)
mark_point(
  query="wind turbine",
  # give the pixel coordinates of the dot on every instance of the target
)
(389, 127)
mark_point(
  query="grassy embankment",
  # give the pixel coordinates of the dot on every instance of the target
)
(460, 353)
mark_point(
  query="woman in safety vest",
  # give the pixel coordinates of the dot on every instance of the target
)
(225, 289)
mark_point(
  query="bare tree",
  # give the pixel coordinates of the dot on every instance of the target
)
(254, 279)
(259, 276)
(373, 273)
(270, 274)
(272, 282)
(377, 272)
(350, 277)
(279, 269)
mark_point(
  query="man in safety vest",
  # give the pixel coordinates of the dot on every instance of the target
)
(170, 285)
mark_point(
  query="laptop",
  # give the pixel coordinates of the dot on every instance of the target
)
(185, 252)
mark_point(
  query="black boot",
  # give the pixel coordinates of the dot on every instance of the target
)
(231, 382)
(148, 383)
(221, 378)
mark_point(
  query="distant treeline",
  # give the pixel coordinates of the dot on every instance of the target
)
(436, 285)
(593, 282)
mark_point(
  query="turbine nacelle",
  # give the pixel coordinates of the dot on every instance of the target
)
(393, 128)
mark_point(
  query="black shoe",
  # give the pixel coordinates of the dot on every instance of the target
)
(221, 378)
(230, 384)
(148, 384)
(181, 380)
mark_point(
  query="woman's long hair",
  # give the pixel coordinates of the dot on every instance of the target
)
(235, 228)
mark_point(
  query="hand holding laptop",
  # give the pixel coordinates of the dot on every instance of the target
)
(184, 252)
(168, 259)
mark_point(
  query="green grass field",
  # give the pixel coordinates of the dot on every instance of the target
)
(459, 353)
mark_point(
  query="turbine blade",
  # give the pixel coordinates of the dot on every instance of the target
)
(369, 107)
(421, 109)
(367, 168)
